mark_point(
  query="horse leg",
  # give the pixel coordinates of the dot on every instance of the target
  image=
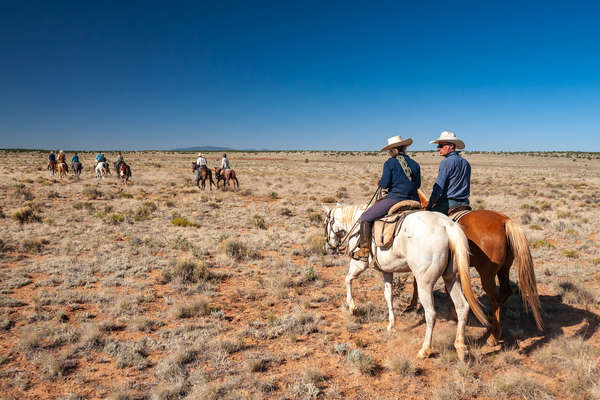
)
(505, 292)
(415, 297)
(388, 278)
(462, 310)
(488, 282)
(356, 268)
(426, 297)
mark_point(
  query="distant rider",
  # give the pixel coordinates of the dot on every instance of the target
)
(119, 162)
(200, 164)
(74, 159)
(224, 165)
(51, 160)
(62, 159)
(100, 158)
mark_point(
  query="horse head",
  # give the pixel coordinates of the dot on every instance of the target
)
(334, 231)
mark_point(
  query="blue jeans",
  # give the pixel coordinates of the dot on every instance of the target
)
(378, 210)
(446, 204)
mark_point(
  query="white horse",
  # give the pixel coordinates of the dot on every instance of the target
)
(101, 169)
(429, 245)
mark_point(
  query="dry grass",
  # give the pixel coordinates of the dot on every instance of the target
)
(160, 290)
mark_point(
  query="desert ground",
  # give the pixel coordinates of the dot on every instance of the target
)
(159, 290)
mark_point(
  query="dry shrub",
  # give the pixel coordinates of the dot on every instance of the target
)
(315, 244)
(236, 249)
(519, 385)
(26, 215)
(259, 222)
(575, 294)
(187, 272)
(194, 308)
(403, 365)
(92, 193)
(362, 361)
(34, 245)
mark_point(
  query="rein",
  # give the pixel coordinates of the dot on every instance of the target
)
(347, 235)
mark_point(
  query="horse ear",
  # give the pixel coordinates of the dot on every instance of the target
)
(327, 209)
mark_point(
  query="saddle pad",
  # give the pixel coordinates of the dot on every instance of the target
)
(456, 216)
(386, 228)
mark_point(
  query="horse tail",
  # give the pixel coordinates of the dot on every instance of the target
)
(522, 258)
(460, 249)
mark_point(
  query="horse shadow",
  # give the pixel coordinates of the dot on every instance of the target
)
(518, 326)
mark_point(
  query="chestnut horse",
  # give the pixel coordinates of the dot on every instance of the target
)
(62, 169)
(495, 243)
(204, 174)
(52, 167)
(226, 175)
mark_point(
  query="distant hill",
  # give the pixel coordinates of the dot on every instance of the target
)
(204, 148)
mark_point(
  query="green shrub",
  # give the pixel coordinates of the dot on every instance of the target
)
(116, 219)
(181, 221)
(328, 199)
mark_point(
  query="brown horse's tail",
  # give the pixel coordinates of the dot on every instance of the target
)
(522, 258)
(460, 249)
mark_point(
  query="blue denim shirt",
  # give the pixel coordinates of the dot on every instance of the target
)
(394, 179)
(453, 180)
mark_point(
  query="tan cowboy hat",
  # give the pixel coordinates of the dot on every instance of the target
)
(397, 141)
(449, 137)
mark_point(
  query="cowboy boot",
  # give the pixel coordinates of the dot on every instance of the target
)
(364, 240)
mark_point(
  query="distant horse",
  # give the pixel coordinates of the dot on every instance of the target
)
(52, 167)
(429, 245)
(77, 168)
(203, 174)
(495, 242)
(102, 169)
(124, 172)
(62, 169)
(226, 175)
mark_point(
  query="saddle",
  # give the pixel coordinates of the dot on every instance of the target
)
(459, 211)
(387, 227)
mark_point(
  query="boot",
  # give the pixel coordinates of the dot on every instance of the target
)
(364, 241)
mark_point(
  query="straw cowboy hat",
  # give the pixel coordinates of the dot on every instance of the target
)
(449, 137)
(397, 141)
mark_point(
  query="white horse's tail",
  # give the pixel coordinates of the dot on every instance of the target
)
(460, 250)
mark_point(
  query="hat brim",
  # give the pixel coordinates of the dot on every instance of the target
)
(459, 144)
(406, 142)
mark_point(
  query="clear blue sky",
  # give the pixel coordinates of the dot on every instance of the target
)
(506, 76)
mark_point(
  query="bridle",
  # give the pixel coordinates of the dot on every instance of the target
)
(340, 235)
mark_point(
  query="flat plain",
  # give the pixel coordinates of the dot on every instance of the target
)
(157, 289)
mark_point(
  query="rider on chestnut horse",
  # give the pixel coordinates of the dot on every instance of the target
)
(201, 164)
(51, 160)
(224, 165)
(452, 186)
(62, 159)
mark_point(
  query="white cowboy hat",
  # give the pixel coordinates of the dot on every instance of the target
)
(200, 154)
(397, 141)
(449, 137)
(60, 151)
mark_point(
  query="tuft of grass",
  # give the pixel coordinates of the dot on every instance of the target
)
(92, 193)
(286, 212)
(246, 192)
(259, 222)
(26, 215)
(116, 219)
(236, 249)
(570, 253)
(542, 243)
(519, 385)
(328, 199)
(402, 366)
(362, 361)
(34, 245)
(575, 294)
(315, 218)
(181, 221)
(274, 195)
(194, 308)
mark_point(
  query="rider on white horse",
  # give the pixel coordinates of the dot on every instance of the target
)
(402, 177)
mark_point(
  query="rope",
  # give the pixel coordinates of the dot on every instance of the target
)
(354, 226)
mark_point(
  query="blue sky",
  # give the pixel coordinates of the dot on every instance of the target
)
(509, 76)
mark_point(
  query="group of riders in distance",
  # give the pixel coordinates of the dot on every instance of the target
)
(101, 166)
(435, 244)
(223, 173)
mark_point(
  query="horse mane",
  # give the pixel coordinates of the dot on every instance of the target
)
(349, 212)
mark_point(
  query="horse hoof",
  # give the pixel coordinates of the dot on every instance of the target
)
(424, 353)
